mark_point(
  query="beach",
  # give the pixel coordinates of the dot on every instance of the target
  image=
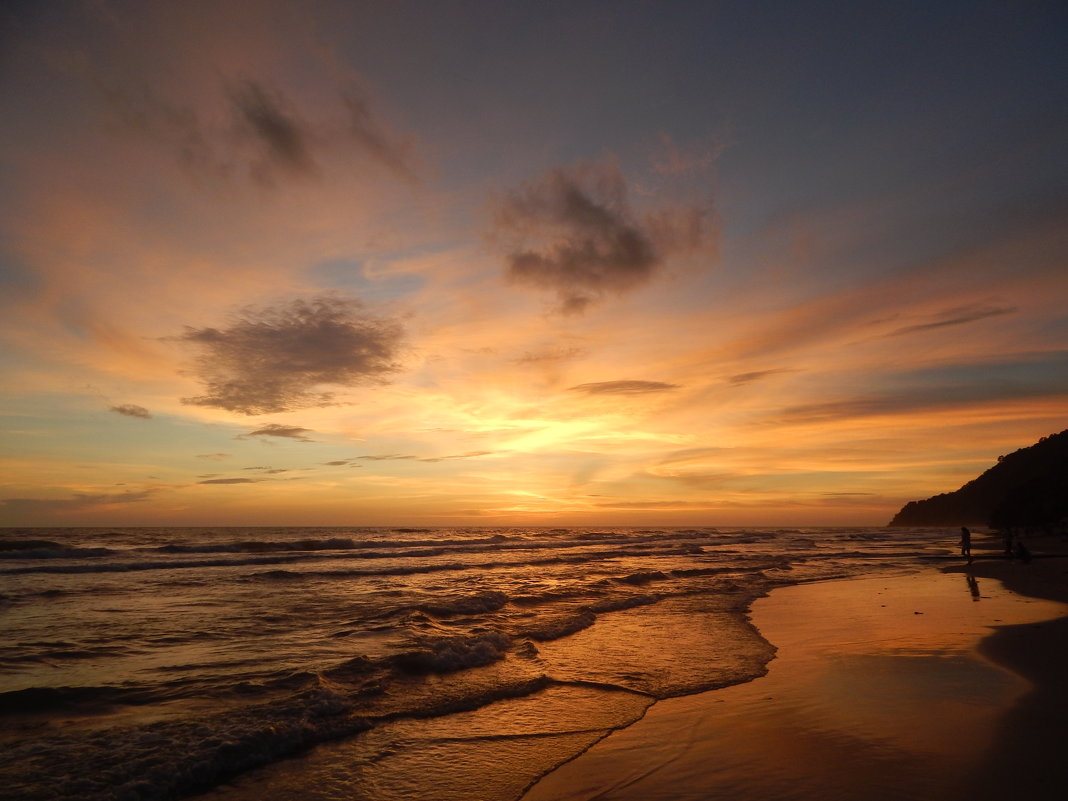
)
(499, 664)
(938, 685)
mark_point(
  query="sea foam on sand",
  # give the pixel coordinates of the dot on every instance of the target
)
(878, 692)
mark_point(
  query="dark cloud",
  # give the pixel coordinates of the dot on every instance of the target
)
(337, 463)
(272, 134)
(231, 481)
(573, 232)
(132, 410)
(960, 316)
(623, 387)
(278, 132)
(270, 471)
(278, 430)
(369, 134)
(274, 359)
(389, 457)
(748, 378)
(80, 501)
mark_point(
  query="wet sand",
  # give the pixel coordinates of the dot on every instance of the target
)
(939, 685)
(1027, 758)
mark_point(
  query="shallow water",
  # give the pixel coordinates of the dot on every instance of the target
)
(877, 692)
(155, 663)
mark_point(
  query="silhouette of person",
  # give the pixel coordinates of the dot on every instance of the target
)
(966, 543)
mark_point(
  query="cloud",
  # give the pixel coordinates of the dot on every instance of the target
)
(671, 159)
(274, 359)
(80, 501)
(231, 481)
(748, 378)
(336, 463)
(375, 141)
(132, 410)
(623, 387)
(573, 232)
(653, 505)
(215, 457)
(274, 128)
(958, 316)
(468, 455)
(278, 430)
(396, 457)
(550, 356)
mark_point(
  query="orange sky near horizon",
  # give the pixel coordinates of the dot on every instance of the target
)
(578, 263)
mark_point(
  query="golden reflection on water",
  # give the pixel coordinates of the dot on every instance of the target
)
(877, 693)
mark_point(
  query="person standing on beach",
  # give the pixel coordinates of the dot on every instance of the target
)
(966, 543)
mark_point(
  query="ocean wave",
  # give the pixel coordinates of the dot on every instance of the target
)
(261, 546)
(554, 629)
(34, 700)
(155, 564)
(455, 653)
(488, 601)
(55, 551)
(624, 602)
(27, 545)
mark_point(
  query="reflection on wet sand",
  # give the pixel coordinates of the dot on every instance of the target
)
(877, 692)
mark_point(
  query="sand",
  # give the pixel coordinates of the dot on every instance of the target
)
(941, 685)
(1027, 758)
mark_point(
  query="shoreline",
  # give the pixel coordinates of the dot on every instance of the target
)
(732, 742)
(1027, 755)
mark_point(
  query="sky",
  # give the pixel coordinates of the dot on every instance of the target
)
(445, 263)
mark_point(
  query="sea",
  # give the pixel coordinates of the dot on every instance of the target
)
(453, 664)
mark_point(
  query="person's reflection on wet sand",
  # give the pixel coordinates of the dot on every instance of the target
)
(973, 586)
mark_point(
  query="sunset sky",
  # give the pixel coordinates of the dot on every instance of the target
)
(532, 263)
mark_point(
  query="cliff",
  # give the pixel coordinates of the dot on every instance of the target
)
(1026, 489)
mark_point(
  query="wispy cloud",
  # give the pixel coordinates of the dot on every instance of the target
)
(952, 317)
(398, 457)
(132, 410)
(231, 481)
(573, 232)
(213, 457)
(625, 387)
(673, 159)
(275, 358)
(281, 138)
(468, 455)
(550, 356)
(758, 375)
(278, 430)
(80, 501)
(376, 142)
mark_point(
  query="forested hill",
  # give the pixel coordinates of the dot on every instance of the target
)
(1028, 489)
